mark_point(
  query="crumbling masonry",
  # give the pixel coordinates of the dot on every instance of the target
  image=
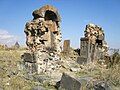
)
(93, 45)
(44, 30)
(43, 38)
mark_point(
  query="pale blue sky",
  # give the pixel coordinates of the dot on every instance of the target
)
(75, 15)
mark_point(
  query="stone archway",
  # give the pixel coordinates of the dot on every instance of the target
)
(44, 29)
(43, 38)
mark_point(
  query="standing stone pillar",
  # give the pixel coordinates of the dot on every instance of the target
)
(84, 51)
(43, 37)
(66, 45)
(93, 46)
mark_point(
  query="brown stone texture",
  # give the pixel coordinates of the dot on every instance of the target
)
(66, 45)
(43, 38)
(69, 83)
(44, 29)
(93, 45)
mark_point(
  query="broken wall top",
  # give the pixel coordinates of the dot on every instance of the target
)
(94, 31)
(44, 30)
(41, 12)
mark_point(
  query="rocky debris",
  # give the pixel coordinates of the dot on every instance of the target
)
(52, 67)
(93, 45)
(69, 83)
(102, 86)
(73, 69)
(69, 60)
(69, 54)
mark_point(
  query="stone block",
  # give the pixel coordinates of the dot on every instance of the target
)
(69, 83)
(66, 45)
(28, 57)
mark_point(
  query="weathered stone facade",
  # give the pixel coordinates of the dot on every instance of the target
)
(44, 30)
(43, 38)
(66, 45)
(44, 56)
(93, 45)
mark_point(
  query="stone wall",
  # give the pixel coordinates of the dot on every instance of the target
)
(66, 45)
(43, 38)
(93, 45)
(44, 30)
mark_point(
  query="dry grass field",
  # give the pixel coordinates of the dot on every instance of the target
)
(11, 78)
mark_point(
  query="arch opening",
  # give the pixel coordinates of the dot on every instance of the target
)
(50, 15)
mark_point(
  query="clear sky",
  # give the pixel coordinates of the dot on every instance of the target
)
(75, 15)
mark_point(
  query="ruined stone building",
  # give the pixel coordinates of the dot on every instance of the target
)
(93, 45)
(43, 38)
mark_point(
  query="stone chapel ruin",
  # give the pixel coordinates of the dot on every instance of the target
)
(43, 39)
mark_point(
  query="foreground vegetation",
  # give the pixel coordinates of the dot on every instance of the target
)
(109, 72)
(12, 78)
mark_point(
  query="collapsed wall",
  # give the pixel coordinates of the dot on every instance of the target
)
(43, 38)
(93, 45)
